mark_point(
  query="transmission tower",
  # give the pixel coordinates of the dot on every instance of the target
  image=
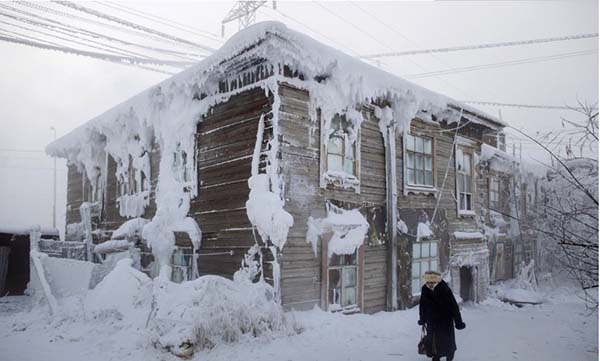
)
(244, 12)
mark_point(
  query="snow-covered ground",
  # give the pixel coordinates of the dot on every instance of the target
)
(559, 329)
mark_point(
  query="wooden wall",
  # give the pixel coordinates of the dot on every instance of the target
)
(225, 142)
(300, 148)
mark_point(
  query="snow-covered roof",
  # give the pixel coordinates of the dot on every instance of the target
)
(356, 81)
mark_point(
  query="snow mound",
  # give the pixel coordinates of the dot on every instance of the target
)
(212, 310)
(123, 293)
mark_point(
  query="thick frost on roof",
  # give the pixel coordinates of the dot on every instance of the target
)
(355, 80)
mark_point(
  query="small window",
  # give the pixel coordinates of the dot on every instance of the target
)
(181, 264)
(342, 287)
(424, 258)
(464, 180)
(180, 165)
(494, 189)
(341, 147)
(419, 160)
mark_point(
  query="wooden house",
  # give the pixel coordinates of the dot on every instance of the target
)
(348, 151)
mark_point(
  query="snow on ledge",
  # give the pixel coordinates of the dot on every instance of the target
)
(468, 235)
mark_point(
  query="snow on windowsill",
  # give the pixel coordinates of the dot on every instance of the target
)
(468, 235)
(416, 189)
(342, 179)
(465, 213)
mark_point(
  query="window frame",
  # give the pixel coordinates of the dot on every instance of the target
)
(414, 136)
(342, 271)
(465, 146)
(334, 177)
(416, 188)
(493, 179)
(415, 291)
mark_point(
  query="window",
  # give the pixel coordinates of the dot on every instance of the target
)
(464, 180)
(424, 258)
(180, 165)
(494, 188)
(181, 264)
(419, 160)
(342, 287)
(341, 147)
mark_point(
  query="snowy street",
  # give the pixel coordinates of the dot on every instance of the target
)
(560, 329)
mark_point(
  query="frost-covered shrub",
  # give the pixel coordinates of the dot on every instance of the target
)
(211, 310)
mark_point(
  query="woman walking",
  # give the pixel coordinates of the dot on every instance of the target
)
(439, 314)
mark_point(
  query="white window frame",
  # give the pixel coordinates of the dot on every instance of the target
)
(415, 137)
(494, 193)
(416, 277)
(465, 146)
(337, 177)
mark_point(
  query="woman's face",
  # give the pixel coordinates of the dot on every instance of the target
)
(431, 285)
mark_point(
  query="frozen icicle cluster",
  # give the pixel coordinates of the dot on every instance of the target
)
(347, 228)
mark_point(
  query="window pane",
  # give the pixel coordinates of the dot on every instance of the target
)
(428, 163)
(459, 159)
(468, 202)
(416, 270)
(334, 162)
(416, 250)
(410, 174)
(419, 144)
(425, 250)
(416, 286)
(349, 166)
(434, 265)
(419, 161)
(410, 142)
(424, 267)
(462, 201)
(410, 160)
(427, 146)
(460, 180)
(349, 278)
(468, 184)
(420, 177)
(428, 178)
(349, 296)
(434, 249)
(467, 163)
(335, 145)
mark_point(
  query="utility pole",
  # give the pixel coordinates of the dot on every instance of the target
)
(244, 12)
(54, 187)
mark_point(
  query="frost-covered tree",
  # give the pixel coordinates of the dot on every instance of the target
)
(567, 222)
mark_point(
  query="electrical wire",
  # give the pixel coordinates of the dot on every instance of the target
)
(530, 106)
(501, 64)
(481, 46)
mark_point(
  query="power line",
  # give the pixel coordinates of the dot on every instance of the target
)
(130, 24)
(104, 47)
(531, 106)
(56, 26)
(101, 24)
(501, 64)
(161, 20)
(481, 46)
(102, 56)
(21, 150)
(410, 41)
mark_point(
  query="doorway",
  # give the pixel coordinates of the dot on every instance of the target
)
(466, 284)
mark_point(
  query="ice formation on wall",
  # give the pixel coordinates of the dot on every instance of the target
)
(347, 228)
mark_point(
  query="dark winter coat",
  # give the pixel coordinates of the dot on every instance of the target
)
(439, 311)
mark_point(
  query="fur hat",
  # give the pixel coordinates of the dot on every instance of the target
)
(432, 276)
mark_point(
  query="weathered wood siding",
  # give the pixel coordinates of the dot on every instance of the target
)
(300, 152)
(225, 142)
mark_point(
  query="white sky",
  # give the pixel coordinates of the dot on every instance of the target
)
(41, 88)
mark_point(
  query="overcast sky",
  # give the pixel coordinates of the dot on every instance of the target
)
(40, 89)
